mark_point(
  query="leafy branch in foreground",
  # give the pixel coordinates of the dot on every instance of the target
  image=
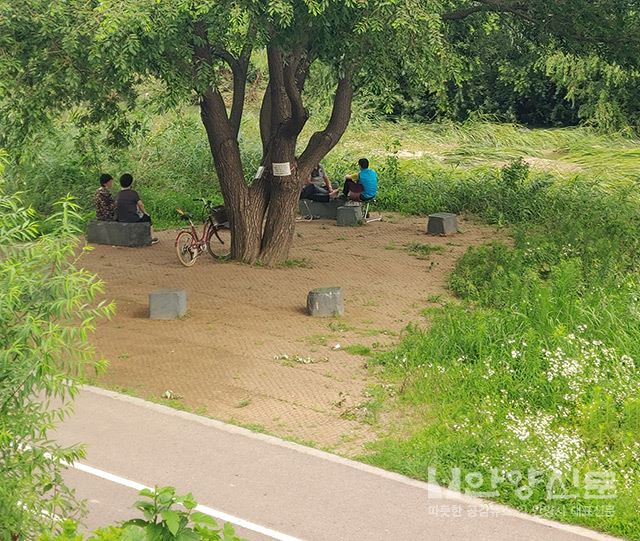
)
(161, 522)
(48, 307)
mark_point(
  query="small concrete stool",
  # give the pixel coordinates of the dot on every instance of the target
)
(167, 303)
(325, 302)
(442, 223)
(349, 216)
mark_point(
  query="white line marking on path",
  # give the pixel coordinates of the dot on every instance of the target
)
(221, 515)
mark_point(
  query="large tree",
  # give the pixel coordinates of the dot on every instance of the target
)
(94, 54)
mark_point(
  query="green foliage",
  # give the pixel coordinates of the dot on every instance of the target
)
(161, 522)
(48, 306)
(171, 165)
(536, 367)
(607, 93)
(97, 59)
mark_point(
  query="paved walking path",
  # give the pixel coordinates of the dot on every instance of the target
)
(269, 488)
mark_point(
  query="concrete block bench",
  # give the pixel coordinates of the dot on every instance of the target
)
(119, 233)
(349, 216)
(325, 302)
(442, 223)
(167, 303)
(323, 211)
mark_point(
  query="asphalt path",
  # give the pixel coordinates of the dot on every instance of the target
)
(269, 488)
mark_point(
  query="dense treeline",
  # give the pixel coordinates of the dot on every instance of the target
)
(508, 75)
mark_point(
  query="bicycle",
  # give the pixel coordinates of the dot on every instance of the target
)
(215, 238)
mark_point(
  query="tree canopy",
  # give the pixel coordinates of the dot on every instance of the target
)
(94, 57)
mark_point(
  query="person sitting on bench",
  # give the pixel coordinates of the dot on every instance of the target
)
(130, 206)
(105, 204)
(362, 186)
(318, 187)
(320, 179)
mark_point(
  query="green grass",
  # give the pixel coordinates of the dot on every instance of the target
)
(533, 368)
(302, 263)
(423, 251)
(340, 326)
(358, 349)
(172, 164)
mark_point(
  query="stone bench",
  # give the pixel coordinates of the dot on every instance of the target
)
(349, 216)
(119, 233)
(442, 223)
(325, 302)
(324, 211)
(167, 304)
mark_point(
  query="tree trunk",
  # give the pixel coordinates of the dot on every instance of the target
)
(245, 206)
(262, 216)
(283, 193)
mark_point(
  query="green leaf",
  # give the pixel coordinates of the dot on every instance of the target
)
(188, 535)
(189, 502)
(172, 519)
(202, 518)
(147, 492)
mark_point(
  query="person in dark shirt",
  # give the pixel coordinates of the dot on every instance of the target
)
(130, 207)
(105, 204)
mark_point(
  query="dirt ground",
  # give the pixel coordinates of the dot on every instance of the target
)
(247, 352)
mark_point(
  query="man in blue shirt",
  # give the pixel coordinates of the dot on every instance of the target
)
(364, 185)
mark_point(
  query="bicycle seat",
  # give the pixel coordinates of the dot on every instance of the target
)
(184, 215)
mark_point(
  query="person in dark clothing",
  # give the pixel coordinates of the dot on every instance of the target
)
(130, 207)
(313, 189)
(105, 204)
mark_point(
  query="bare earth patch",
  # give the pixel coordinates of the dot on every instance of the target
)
(247, 352)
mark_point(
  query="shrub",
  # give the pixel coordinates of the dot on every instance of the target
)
(162, 521)
(47, 308)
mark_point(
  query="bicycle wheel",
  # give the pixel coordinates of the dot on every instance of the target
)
(186, 248)
(219, 243)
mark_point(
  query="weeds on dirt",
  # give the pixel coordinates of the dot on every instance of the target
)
(244, 402)
(302, 263)
(423, 251)
(340, 326)
(358, 349)
(367, 411)
(316, 340)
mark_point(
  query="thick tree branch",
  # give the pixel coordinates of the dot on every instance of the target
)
(293, 84)
(463, 13)
(202, 53)
(213, 112)
(239, 69)
(323, 141)
(225, 55)
(265, 119)
(280, 105)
